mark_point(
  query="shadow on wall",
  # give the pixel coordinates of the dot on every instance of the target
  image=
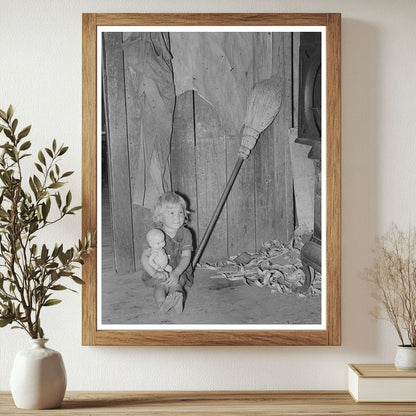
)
(361, 55)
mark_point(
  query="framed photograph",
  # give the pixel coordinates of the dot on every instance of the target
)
(211, 172)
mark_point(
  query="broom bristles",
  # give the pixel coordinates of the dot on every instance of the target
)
(264, 103)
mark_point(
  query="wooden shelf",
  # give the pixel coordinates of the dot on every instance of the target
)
(180, 403)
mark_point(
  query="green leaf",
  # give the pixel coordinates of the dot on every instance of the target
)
(59, 287)
(63, 150)
(55, 251)
(5, 321)
(39, 167)
(76, 279)
(72, 210)
(58, 199)
(49, 152)
(45, 211)
(44, 253)
(24, 132)
(8, 133)
(51, 302)
(40, 332)
(62, 257)
(25, 155)
(4, 298)
(25, 145)
(54, 145)
(34, 249)
(37, 183)
(10, 112)
(33, 187)
(68, 199)
(41, 157)
(56, 185)
(14, 125)
(67, 174)
(3, 115)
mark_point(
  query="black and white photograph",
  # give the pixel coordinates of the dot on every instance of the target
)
(211, 207)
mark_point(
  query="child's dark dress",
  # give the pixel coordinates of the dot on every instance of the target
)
(174, 247)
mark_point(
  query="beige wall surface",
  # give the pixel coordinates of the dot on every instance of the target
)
(40, 74)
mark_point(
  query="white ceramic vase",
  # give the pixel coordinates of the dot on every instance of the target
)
(405, 358)
(38, 377)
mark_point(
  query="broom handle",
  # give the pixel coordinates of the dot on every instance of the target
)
(264, 105)
(218, 210)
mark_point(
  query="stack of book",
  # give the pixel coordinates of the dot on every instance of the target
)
(381, 383)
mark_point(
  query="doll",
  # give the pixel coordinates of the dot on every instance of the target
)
(158, 259)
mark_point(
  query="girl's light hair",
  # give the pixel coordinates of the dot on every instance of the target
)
(168, 198)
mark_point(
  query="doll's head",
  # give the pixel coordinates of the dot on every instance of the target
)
(156, 238)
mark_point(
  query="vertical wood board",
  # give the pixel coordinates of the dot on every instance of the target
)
(263, 152)
(241, 234)
(241, 224)
(119, 174)
(282, 64)
(333, 178)
(89, 174)
(134, 103)
(211, 176)
(183, 170)
(142, 220)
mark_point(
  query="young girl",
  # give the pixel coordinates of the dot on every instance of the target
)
(170, 215)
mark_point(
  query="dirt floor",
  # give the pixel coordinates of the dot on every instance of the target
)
(250, 289)
(211, 300)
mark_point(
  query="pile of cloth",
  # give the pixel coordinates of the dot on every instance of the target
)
(276, 266)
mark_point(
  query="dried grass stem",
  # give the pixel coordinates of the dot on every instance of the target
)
(393, 277)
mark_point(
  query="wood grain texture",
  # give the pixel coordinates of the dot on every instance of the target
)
(211, 176)
(241, 228)
(333, 179)
(179, 403)
(380, 371)
(331, 336)
(136, 155)
(211, 338)
(211, 19)
(283, 170)
(182, 157)
(89, 173)
(118, 150)
(263, 153)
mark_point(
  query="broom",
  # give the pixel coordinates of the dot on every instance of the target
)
(263, 106)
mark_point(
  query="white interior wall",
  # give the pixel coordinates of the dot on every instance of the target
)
(40, 74)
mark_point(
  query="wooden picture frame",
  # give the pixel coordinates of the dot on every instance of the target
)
(331, 333)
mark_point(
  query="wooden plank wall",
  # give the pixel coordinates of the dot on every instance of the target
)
(260, 205)
(133, 84)
(183, 153)
(211, 173)
(283, 172)
(264, 152)
(118, 155)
